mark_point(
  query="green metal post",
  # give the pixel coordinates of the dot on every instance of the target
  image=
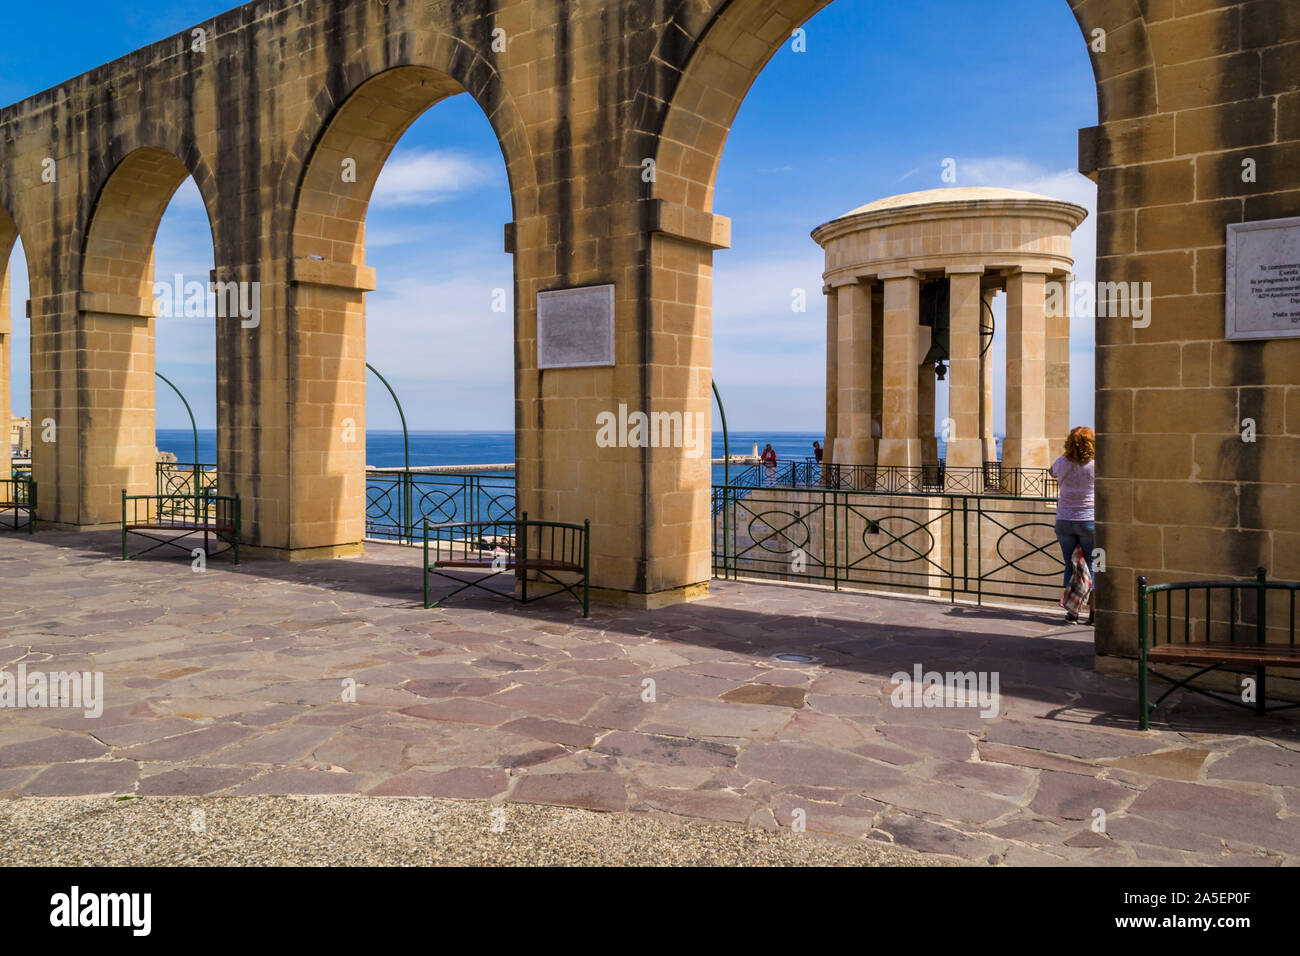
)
(726, 485)
(195, 429)
(1143, 711)
(1261, 634)
(408, 525)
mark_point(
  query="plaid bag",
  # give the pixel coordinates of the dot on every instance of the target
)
(1076, 598)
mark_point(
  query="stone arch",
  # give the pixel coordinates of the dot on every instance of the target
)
(117, 251)
(115, 305)
(8, 237)
(444, 66)
(735, 39)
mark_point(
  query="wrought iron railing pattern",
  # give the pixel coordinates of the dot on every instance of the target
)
(399, 502)
(981, 546)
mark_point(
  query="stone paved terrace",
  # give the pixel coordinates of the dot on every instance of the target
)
(228, 683)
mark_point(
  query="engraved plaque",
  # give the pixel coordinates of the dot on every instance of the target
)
(575, 327)
(1263, 280)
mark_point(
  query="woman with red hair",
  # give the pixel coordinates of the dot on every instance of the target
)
(1075, 514)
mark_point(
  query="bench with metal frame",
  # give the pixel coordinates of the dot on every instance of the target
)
(180, 516)
(18, 496)
(1246, 626)
(539, 551)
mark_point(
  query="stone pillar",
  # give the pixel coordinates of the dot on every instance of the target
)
(989, 440)
(291, 407)
(965, 398)
(1057, 353)
(898, 443)
(6, 344)
(925, 395)
(853, 445)
(1026, 443)
(832, 375)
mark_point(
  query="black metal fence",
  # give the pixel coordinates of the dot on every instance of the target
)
(18, 504)
(978, 546)
(399, 502)
(991, 478)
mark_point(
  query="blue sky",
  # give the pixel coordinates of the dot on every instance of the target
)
(885, 92)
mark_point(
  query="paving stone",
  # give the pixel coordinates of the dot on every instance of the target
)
(554, 731)
(675, 751)
(802, 764)
(1020, 757)
(1219, 812)
(1259, 764)
(586, 790)
(770, 695)
(187, 746)
(715, 718)
(48, 750)
(1072, 796)
(855, 822)
(277, 747)
(532, 757)
(306, 782)
(566, 704)
(904, 830)
(192, 781)
(711, 805)
(1069, 741)
(466, 711)
(82, 779)
(951, 803)
(463, 783)
(952, 744)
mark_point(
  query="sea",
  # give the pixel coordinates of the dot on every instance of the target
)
(384, 448)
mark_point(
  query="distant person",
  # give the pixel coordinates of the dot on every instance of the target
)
(1076, 517)
(769, 465)
(817, 451)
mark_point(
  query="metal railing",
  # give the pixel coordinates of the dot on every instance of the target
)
(935, 479)
(212, 515)
(18, 497)
(177, 478)
(981, 546)
(399, 502)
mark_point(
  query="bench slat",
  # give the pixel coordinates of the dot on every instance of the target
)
(1278, 655)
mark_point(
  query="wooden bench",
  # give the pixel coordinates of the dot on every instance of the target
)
(534, 551)
(1243, 620)
(18, 497)
(180, 516)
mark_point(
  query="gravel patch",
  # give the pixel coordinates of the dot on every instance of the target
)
(377, 831)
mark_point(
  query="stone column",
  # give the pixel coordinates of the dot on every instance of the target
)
(853, 445)
(6, 340)
(925, 394)
(832, 375)
(989, 440)
(1026, 443)
(965, 398)
(1057, 353)
(898, 443)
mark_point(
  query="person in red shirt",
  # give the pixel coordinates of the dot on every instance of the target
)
(769, 464)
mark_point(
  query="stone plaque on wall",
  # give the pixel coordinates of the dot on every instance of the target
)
(575, 327)
(1263, 280)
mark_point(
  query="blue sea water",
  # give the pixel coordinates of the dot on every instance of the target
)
(384, 448)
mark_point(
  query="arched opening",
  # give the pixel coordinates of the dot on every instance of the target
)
(397, 262)
(15, 366)
(756, 84)
(121, 304)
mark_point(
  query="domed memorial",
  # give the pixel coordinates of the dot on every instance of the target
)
(909, 285)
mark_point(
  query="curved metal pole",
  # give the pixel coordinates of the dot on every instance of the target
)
(195, 429)
(406, 449)
(726, 484)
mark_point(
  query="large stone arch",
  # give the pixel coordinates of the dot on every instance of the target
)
(115, 305)
(8, 238)
(711, 54)
(329, 277)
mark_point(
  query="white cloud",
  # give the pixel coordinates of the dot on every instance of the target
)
(423, 178)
